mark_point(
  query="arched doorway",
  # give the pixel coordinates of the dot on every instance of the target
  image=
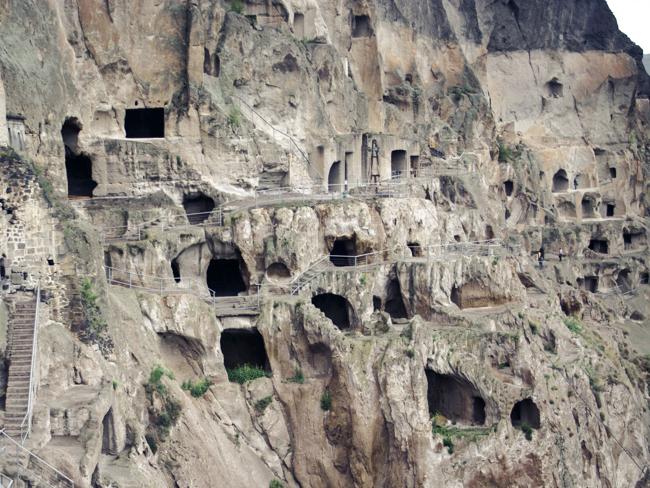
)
(335, 307)
(335, 177)
(225, 278)
(78, 166)
(560, 181)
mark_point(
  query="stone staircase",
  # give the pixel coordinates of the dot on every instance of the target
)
(21, 342)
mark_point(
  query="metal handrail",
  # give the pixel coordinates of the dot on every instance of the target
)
(490, 247)
(161, 287)
(292, 141)
(38, 460)
(5, 481)
(26, 424)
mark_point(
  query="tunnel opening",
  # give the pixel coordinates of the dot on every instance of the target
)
(361, 26)
(560, 181)
(415, 248)
(197, 208)
(599, 245)
(525, 412)
(612, 173)
(278, 272)
(508, 187)
(335, 307)
(588, 207)
(225, 278)
(109, 444)
(633, 239)
(644, 278)
(589, 283)
(394, 302)
(176, 271)
(343, 252)
(144, 123)
(78, 166)
(211, 63)
(242, 347)
(610, 210)
(398, 166)
(79, 170)
(376, 303)
(299, 25)
(455, 398)
(335, 177)
(554, 89)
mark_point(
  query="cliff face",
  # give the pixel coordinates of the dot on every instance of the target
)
(158, 153)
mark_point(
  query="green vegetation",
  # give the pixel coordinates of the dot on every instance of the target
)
(164, 409)
(573, 325)
(507, 153)
(115, 384)
(298, 377)
(449, 433)
(326, 401)
(95, 328)
(449, 444)
(234, 118)
(276, 484)
(527, 430)
(461, 91)
(237, 6)
(260, 405)
(198, 389)
(244, 374)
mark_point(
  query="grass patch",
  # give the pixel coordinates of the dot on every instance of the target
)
(276, 484)
(573, 324)
(164, 409)
(260, 405)
(244, 374)
(326, 401)
(237, 6)
(198, 389)
(298, 377)
(527, 430)
(234, 118)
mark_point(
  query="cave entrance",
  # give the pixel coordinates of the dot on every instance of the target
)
(560, 181)
(109, 444)
(599, 245)
(335, 177)
(508, 187)
(394, 301)
(211, 63)
(225, 278)
(554, 89)
(612, 173)
(588, 210)
(610, 210)
(343, 252)
(525, 412)
(197, 208)
(632, 239)
(590, 283)
(398, 166)
(415, 248)
(455, 398)
(144, 123)
(176, 270)
(78, 166)
(335, 307)
(299, 25)
(361, 26)
(623, 280)
(244, 347)
(278, 273)
(644, 278)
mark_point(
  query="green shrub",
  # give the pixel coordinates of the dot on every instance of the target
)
(237, 6)
(326, 401)
(244, 374)
(573, 325)
(94, 328)
(449, 444)
(276, 484)
(527, 430)
(234, 118)
(198, 389)
(164, 410)
(155, 380)
(261, 405)
(297, 377)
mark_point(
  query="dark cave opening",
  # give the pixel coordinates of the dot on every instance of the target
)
(335, 307)
(78, 166)
(508, 187)
(455, 398)
(525, 412)
(394, 301)
(560, 181)
(144, 123)
(244, 347)
(600, 246)
(197, 208)
(176, 271)
(225, 278)
(343, 252)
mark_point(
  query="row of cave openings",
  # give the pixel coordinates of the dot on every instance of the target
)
(462, 404)
(139, 123)
(449, 395)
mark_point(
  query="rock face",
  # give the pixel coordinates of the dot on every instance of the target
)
(295, 243)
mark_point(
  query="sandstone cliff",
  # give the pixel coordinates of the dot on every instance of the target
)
(293, 243)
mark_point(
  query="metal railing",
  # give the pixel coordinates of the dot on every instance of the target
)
(486, 248)
(5, 481)
(26, 424)
(172, 286)
(293, 146)
(35, 464)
